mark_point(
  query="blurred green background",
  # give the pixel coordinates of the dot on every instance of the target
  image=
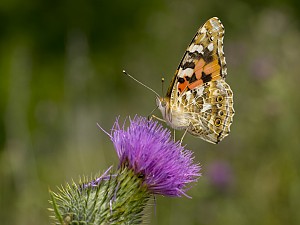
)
(61, 68)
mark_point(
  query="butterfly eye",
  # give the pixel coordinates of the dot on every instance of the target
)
(217, 122)
(219, 98)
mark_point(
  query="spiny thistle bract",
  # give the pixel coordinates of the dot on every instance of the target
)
(150, 163)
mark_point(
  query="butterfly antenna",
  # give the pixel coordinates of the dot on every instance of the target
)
(162, 86)
(141, 83)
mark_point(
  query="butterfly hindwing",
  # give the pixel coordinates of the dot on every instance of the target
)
(212, 119)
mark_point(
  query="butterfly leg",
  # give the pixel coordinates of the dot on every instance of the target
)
(181, 139)
(157, 118)
(174, 136)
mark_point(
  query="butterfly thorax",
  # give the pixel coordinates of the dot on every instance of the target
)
(174, 116)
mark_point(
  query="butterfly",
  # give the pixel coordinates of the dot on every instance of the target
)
(198, 99)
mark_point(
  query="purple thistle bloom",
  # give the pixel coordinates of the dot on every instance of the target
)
(148, 149)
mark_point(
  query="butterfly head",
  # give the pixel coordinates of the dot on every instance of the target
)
(163, 105)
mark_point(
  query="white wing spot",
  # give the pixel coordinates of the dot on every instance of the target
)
(186, 72)
(216, 24)
(203, 30)
(221, 51)
(196, 48)
(206, 106)
(188, 95)
(210, 47)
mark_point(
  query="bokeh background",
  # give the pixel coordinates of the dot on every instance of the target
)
(61, 68)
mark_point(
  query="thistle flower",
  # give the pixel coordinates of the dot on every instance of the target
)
(150, 163)
(148, 149)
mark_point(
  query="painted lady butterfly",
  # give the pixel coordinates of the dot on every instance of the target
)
(198, 99)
